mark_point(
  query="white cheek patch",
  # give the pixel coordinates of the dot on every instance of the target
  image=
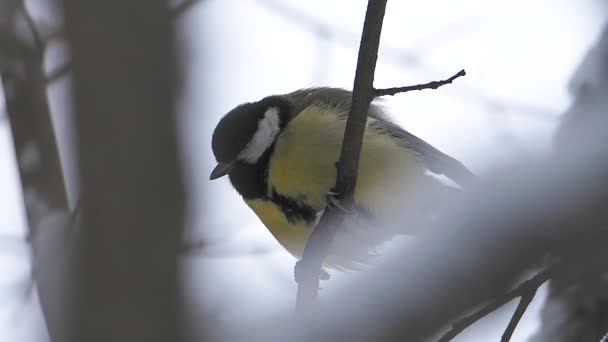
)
(267, 131)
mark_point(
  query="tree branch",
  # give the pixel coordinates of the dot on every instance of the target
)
(430, 85)
(308, 269)
(40, 171)
(533, 208)
(524, 301)
(524, 289)
(65, 69)
(126, 81)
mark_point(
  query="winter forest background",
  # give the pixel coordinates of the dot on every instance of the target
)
(73, 116)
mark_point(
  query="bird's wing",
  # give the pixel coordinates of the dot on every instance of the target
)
(340, 100)
(435, 160)
(336, 98)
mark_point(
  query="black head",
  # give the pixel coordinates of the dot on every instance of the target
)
(247, 131)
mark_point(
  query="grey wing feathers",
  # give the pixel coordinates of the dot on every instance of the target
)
(340, 99)
(435, 160)
(337, 98)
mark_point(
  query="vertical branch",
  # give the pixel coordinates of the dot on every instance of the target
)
(38, 161)
(125, 84)
(317, 247)
(32, 127)
(362, 97)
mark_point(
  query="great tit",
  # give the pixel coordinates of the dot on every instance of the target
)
(280, 154)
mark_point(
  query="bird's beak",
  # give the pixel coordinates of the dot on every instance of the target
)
(221, 170)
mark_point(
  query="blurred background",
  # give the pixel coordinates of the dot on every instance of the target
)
(519, 57)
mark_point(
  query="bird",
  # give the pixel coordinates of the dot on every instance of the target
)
(280, 155)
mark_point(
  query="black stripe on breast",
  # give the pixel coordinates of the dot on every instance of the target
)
(294, 210)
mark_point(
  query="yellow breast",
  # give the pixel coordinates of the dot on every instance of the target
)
(303, 163)
(302, 168)
(292, 236)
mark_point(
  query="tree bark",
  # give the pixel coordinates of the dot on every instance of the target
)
(125, 85)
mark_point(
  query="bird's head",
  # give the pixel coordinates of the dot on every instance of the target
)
(246, 132)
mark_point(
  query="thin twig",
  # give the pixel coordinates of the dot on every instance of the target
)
(524, 301)
(430, 85)
(308, 270)
(525, 288)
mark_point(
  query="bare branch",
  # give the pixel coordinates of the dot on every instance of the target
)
(525, 288)
(430, 85)
(308, 269)
(473, 255)
(524, 301)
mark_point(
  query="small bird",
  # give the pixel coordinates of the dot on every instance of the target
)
(280, 154)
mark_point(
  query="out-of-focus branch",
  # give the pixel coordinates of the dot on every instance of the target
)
(525, 288)
(65, 68)
(308, 269)
(35, 143)
(430, 85)
(126, 81)
(497, 232)
(547, 206)
(578, 311)
(522, 306)
(39, 165)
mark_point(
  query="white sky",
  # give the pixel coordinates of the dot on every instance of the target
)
(518, 56)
